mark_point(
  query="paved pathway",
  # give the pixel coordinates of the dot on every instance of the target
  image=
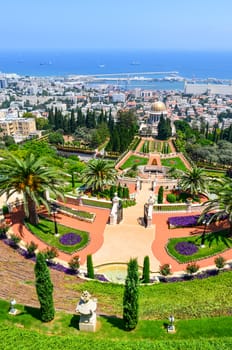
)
(118, 243)
(130, 238)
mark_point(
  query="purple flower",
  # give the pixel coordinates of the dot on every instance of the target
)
(70, 238)
(184, 221)
(186, 248)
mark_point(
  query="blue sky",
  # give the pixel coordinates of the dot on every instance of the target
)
(126, 24)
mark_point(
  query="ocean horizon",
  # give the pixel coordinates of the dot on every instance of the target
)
(58, 62)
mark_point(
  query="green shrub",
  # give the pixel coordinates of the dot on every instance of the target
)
(31, 248)
(90, 269)
(171, 198)
(146, 270)
(192, 268)
(51, 253)
(74, 263)
(131, 295)
(160, 195)
(44, 289)
(220, 262)
(15, 240)
(5, 209)
(165, 269)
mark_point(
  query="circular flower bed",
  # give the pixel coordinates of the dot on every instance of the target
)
(186, 248)
(70, 238)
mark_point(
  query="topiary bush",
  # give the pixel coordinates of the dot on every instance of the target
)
(90, 269)
(160, 195)
(146, 270)
(171, 198)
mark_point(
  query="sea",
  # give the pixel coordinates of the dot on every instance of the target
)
(150, 69)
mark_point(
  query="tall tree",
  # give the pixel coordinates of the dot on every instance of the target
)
(90, 269)
(98, 174)
(146, 270)
(44, 288)
(131, 296)
(164, 128)
(31, 177)
(221, 205)
(194, 181)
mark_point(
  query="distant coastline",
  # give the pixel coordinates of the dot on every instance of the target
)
(191, 65)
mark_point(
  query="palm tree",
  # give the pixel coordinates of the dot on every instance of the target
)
(220, 205)
(193, 181)
(98, 174)
(30, 177)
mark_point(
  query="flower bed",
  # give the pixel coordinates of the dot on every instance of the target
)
(186, 248)
(183, 221)
(70, 238)
(191, 220)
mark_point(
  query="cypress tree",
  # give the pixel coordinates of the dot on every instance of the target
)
(90, 270)
(146, 270)
(131, 296)
(44, 289)
(160, 195)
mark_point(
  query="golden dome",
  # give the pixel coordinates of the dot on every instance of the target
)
(158, 107)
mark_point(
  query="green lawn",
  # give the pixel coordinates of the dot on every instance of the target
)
(95, 203)
(190, 299)
(216, 242)
(174, 162)
(45, 231)
(132, 160)
(26, 330)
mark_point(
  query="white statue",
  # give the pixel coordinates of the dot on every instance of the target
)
(87, 309)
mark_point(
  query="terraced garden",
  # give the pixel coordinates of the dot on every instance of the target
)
(134, 160)
(155, 146)
(174, 162)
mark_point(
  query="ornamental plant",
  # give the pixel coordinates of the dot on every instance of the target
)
(31, 248)
(192, 268)
(74, 263)
(50, 253)
(90, 269)
(220, 262)
(131, 296)
(160, 195)
(165, 269)
(14, 240)
(146, 270)
(186, 248)
(171, 197)
(44, 289)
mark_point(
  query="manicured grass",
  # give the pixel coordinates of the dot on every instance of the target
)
(174, 162)
(214, 173)
(26, 330)
(167, 207)
(132, 160)
(111, 328)
(80, 213)
(189, 299)
(95, 203)
(215, 243)
(45, 231)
